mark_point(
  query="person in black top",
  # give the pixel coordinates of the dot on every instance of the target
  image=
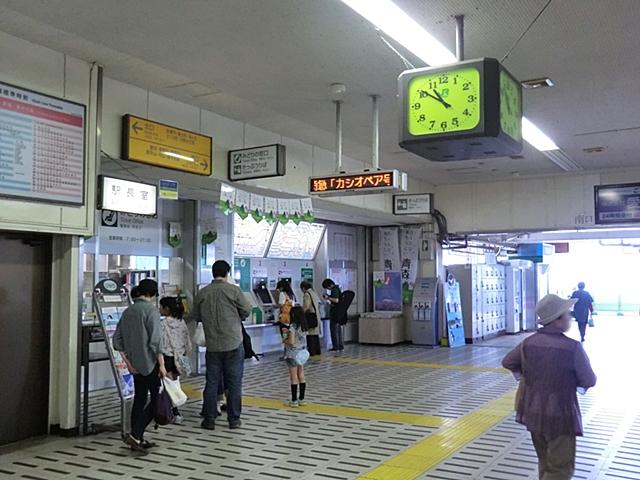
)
(337, 335)
(582, 308)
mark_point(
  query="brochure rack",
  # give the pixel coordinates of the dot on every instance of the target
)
(110, 300)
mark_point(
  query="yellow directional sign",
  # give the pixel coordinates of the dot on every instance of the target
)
(165, 146)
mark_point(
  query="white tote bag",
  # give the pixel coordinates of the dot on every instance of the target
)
(198, 336)
(178, 397)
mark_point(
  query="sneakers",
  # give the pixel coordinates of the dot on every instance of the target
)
(294, 404)
(302, 403)
(178, 419)
(147, 445)
(208, 424)
(236, 424)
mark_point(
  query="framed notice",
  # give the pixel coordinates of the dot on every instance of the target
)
(125, 196)
(617, 203)
(413, 204)
(257, 162)
(42, 147)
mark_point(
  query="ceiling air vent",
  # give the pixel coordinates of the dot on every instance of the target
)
(516, 157)
(593, 150)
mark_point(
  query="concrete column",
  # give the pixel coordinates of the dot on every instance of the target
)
(65, 325)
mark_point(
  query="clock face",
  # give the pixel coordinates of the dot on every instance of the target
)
(444, 102)
(510, 106)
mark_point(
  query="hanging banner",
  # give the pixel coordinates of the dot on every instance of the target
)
(283, 210)
(389, 249)
(243, 203)
(307, 210)
(295, 211)
(410, 240)
(227, 199)
(270, 209)
(175, 234)
(257, 207)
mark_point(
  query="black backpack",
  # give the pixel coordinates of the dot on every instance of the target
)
(248, 348)
(341, 308)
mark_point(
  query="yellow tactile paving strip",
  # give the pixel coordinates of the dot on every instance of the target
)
(416, 460)
(336, 411)
(423, 420)
(393, 363)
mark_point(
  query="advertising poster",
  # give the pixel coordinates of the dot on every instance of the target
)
(410, 240)
(306, 274)
(389, 249)
(110, 318)
(387, 292)
(242, 273)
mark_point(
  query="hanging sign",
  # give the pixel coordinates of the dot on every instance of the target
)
(243, 203)
(175, 234)
(410, 240)
(270, 209)
(283, 210)
(257, 162)
(389, 249)
(413, 204)
(125, 196)
(168, 190)
(165, 146)
(257, 207)
(379, 181)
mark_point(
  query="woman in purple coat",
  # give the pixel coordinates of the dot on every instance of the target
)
(554, 367)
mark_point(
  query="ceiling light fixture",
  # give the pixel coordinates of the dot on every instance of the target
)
(537, 83)
(392, 20)
(178, 156)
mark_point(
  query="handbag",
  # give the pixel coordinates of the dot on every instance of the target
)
(163, 414)
(174, 390)
(311, 317)
(198, 336)
(520, 392)
(183, 364)
(301, 357)
(591, 322)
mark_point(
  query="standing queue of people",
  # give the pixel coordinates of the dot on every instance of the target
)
(154, 349)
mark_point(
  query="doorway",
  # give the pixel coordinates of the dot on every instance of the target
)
(25, 291)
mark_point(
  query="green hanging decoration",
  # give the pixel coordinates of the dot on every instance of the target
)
(270, 217)
(257, 216)
(309, 217)
(209, 237)
(226, 207)
(242, 212)
(227, 199)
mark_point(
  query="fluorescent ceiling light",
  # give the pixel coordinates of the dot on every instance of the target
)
(393, 21)
(178, 156)
(536, 137)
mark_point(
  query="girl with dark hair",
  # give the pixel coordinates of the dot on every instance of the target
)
(176, 342)
(285, 300)
(296, 355)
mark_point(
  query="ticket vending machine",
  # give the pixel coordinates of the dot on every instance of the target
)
(424, 324)
(264, 299)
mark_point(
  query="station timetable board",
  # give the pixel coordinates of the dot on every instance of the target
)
(41, 147)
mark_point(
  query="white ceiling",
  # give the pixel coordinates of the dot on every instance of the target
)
(270, 63)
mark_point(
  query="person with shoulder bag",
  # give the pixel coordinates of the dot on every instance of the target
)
(551, 368)
(311, 308)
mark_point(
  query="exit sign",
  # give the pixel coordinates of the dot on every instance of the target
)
(368, 182)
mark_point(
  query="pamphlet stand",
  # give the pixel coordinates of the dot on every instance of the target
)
(111, 299)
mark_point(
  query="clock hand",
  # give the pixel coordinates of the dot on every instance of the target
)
(441, 100)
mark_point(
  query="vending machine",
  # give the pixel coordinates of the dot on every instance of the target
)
(424, 324)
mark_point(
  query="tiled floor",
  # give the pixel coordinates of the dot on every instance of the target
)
(452, 429)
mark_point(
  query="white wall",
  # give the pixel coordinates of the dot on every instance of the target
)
(303, 160)
(37, 68)
(548, 203)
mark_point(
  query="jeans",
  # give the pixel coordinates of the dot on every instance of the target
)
(337, 340)
(229, 368)
(142, 413)
(556, 456)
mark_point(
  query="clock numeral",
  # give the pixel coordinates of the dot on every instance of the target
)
(443, 79)
(416, 106)
(455, 80)
(443, 125)
(466, 85)
(466, 112)
(423, 93)
(455, 122)
(432, 124)
(422, 118)
(472, 98)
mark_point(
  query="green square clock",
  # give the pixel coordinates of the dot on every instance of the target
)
(467, 110)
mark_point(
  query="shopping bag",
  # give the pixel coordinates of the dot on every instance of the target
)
(591, 324)
(163, 414)
(183, 364)
(198, 336)
(301, 357)
(173, 389)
